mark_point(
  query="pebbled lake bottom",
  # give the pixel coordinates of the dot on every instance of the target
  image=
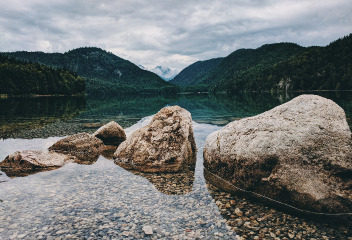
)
(105, 201)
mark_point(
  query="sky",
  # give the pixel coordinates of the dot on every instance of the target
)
(169, 33)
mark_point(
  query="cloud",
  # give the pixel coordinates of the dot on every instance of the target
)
(175, 33)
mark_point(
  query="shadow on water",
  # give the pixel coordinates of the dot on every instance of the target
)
(170, 183)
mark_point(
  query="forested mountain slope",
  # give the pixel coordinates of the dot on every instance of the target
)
(105, 73)
(275, 67)
(22, 78)
(195, 73)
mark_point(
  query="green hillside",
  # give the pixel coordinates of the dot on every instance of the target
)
(242, 66)
(196, 72)
(104, 72)
(314, 68)
(23, 78)
(276, 68)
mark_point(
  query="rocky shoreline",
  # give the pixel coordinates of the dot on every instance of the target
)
(249, 219)
(253, 220)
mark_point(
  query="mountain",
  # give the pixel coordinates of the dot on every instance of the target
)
(211, 75)
(312, 68)
(275, 67)
(105, 73)
(23, 78)
(240, 67)
(163, 72)
(195, 73)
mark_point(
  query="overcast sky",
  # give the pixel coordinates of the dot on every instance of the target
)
(169, 33)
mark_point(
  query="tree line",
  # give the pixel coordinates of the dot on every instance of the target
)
(23, 78)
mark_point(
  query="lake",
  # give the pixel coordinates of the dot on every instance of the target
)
(104, 201)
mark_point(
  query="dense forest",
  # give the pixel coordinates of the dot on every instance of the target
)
(105, 73)
(194, 74)
(272, 67)
(23, 78)
(276, 68)
(314, 68)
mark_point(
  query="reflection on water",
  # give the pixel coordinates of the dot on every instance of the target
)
(18, 172)
(19, 114)
(86, 114)
(103, 200)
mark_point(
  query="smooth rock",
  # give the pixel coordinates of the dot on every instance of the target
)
(83, 145)
(147, 230)
(298, 153)
(165, 145)
(238, 212)
(111, 134)
(22, 163)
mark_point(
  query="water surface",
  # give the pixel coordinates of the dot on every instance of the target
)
(103, 200)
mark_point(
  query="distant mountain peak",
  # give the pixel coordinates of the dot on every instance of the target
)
(162, 71)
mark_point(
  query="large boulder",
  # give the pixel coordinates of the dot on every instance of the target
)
(297, 155)
(165, 145)
(83, 145)
(22, 163)
(111, 134)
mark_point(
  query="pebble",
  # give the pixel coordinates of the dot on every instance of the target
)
(21, 236)
(148, 230)
(238, 212)
(104, 201)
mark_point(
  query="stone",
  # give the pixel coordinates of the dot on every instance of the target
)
(298, 154)
(83, 145)
(238, 212)
(111, 134)
(165, 145)
(23, 163)
(147, 230)
(21, 236)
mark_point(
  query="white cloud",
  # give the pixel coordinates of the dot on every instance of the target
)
(172, 33)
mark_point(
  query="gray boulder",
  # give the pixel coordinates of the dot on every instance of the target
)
(298, 154)
(111, 134)
(165, 145)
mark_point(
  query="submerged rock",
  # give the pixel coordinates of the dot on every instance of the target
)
(298, 153)
(83, 145)
(111, 134)
(27, 162)
(165, 145)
